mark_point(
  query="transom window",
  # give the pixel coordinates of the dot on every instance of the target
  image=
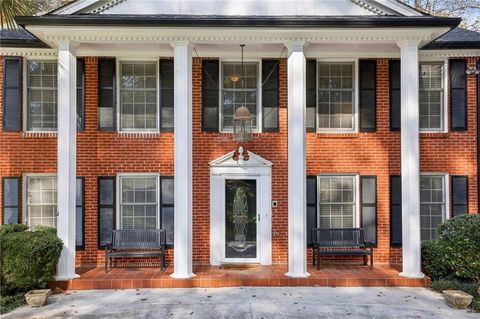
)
(431, 96)
(337, 201)
(239, 88)
(336, 96)
(42, 96)
(432, 205)
(138, 96)
(41, 201)
(139, 202)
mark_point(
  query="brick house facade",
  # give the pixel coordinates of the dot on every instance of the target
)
(375, 153)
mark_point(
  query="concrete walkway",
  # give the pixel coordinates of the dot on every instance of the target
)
(247, 302)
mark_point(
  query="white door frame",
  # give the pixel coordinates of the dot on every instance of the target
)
(254, 168)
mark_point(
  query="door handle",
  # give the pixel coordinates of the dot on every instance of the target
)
(258, 217)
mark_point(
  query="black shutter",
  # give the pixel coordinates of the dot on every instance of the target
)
(166, 95)
(458, 95)
(311, 206)
(80, 94)
(12, 94)
(311, 95)
(368, 80)
(210, 102)
(478, 135)
(80, 214)
(106, 94)
(11, 200)
(395, 102)
(368, 186)
(166, 207)
(459, 195)
(270, 91)
(395, 210)
(106, 209)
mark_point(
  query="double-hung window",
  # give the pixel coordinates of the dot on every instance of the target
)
(337, 201)
(41, 200)
(138, 96)
(42, 96)
(431, 96)
(336, 96)
(432, 204)
(239, 88)
(139, 202)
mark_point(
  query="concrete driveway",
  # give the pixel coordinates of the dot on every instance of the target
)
(247, 302)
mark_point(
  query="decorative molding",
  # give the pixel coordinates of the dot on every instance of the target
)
(28, 52)
(369, 7)
(106, 6)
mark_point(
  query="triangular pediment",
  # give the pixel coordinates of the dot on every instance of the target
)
(238, 7)
(227, 160)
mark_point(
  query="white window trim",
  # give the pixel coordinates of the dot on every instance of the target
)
(25, 101)
(25, 194)
(356, 195)
(446, 181)
(259, 116)
(446, 93)
(118, 194)
(118, 62)
(355, 96)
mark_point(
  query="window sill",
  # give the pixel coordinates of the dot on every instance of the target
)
(148, 134)
(336, 134)
(430, 134)
(39, 134)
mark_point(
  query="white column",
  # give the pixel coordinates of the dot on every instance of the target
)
(297, 217)
(410, 149)
(182, 257)
(66, 158)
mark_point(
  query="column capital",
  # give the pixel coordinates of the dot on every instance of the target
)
(67, 45)
(295, 46)
(408, 43)
(182, 43)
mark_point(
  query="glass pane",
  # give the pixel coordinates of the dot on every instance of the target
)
(240, 219)
(167, 223)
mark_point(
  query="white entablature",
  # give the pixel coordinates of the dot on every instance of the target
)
(240, 7)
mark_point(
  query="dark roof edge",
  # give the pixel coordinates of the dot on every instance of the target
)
(460, 45)
(239, 21)
(23, 43)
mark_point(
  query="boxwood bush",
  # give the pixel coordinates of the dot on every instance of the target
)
(456, 252)
(28, 259)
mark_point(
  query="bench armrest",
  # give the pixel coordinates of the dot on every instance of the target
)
(369, 244)
(108, 247)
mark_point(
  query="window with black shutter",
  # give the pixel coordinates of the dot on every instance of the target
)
(11, 200)
(270, 92)
(80, 214)
(166, 95)
(106, 209)
(311, 206)
(167, 207)
(458, 95)
(311, 95)
(12, 94)
(367, 96)
(106, 94)
(459, 185)
(395, 102)
(395, 210)
(210, 100)
(80, 94)
(368, 202)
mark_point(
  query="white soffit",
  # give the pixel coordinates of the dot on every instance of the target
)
(239, 7)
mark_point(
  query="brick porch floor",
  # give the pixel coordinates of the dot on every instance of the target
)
(210, 277)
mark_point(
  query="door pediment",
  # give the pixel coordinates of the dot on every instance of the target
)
(227, 160)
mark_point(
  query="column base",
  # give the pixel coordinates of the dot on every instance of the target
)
(412, 274)
(297, 275)
(182, 276)
(66, 277)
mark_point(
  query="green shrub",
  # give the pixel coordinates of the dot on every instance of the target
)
(29, 258)
(433, 261)
(459, 241)
(8, 303)
(468, 287)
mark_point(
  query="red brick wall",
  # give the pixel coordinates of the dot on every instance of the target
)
(376, 153)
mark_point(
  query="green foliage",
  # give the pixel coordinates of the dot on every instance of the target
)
(28, 259)
(8, 303)
(11, 8)
(459, 240)
(468, 287)
(433, 263)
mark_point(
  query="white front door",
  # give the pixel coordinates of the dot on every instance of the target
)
(240, 219)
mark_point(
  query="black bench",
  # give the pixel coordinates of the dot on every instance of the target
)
(136, 243)
(340, 241)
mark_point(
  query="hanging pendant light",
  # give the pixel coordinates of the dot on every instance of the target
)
(242, 119)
